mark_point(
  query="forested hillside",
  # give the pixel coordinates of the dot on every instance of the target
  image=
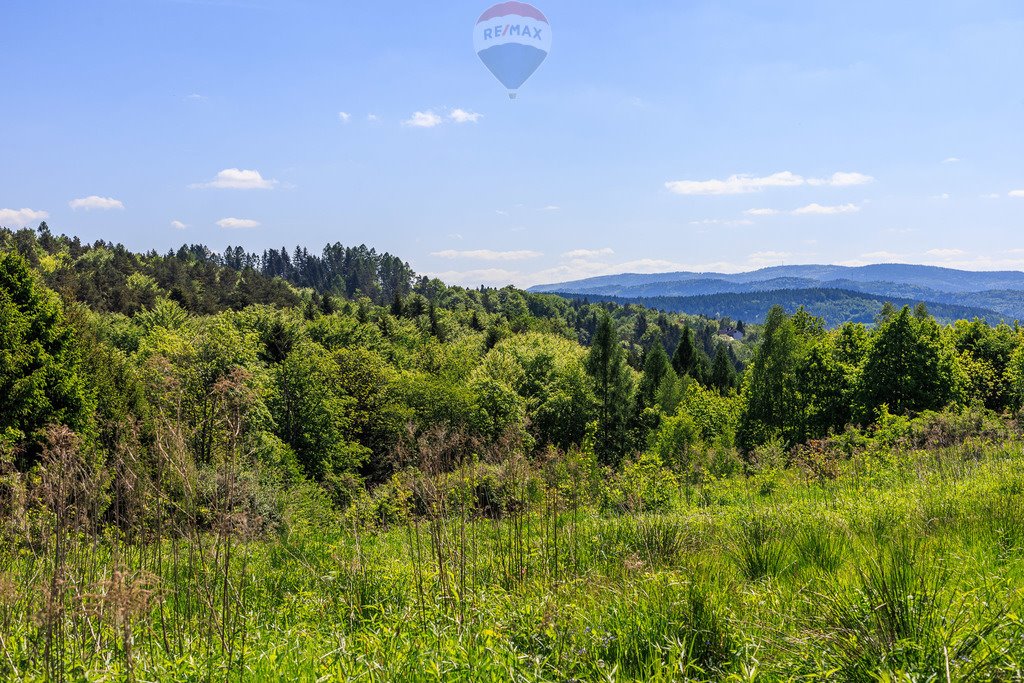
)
(341, 354)
(834, 306)
(206, 457)
(839, 293)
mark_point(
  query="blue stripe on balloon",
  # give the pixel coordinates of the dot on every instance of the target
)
(512, 63)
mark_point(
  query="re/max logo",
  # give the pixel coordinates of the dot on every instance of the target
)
(512, 30)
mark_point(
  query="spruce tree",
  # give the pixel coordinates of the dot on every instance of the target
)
(684, 356)
(723, 372)
(613, 387)
(772, 405)
(40, 381)
(907, 367)
(656, 368)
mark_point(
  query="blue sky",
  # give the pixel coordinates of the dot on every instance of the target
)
(705, 135)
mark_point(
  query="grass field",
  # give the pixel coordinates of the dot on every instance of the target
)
(904, 568)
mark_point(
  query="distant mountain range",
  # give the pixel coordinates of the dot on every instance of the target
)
(836, 293)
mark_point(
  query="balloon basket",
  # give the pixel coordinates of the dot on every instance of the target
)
(512, 95)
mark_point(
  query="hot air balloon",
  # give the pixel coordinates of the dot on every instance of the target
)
(512, 39)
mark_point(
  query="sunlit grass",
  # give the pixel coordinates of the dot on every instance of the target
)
(912, 573)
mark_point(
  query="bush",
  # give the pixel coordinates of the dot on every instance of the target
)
(645, 485)
(676, 442)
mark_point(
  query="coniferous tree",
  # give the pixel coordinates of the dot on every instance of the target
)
(432, 315)
(657, 367)
(772, 405)
(907, 368)
(685, 355)
(40, 383)
(397, 307)
(613, 387)
(723, 372)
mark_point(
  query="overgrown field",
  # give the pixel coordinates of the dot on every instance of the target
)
(907, 566)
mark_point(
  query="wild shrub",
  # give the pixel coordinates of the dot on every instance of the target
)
(933, 430)
(645, 485)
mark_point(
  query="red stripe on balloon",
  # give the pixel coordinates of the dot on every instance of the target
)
(520, 9)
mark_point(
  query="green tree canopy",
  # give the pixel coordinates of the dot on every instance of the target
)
(39, 365)
(907, 367)
(613, 387)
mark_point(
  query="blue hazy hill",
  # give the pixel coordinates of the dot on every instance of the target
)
(829, 289)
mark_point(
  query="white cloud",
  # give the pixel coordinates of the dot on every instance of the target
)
(578, 264)
(649, 265)
(1017, 194)
(951, 160)
(944, 196)
(762, 258)
(588, 253)
(882, 256)
(551, 207)
(984, 262)
(93, 202)
(735, 184)
(842, 180)
(819, 210)
(196, 97)
(761, 212)
(238, 179)
(463, 116)
(178, 225)
(991, 195)
(423, 119)
(19, 218)
(744, 184)
(344, 117)
(237, 223)
(873, 257)
(945, 253)
(488, 255)
(486, 276)
(372, 118)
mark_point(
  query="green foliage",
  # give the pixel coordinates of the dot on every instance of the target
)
(677, 441)
(452, 479)
(773, 404)
(548, 373)
(716, 417)
(645, 485)
(657, 369)
(314, 414)
(907, 368)
(826, 386)
(761, 549)
(613, 387)
(39, 362)
(723, 372)
(1015, 378)
(902, 618)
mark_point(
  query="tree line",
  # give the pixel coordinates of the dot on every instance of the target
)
(315, 383)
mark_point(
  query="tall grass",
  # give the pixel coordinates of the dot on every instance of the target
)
(502, 572)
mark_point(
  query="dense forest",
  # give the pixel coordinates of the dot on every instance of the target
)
(215, 400)
(833, 306)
